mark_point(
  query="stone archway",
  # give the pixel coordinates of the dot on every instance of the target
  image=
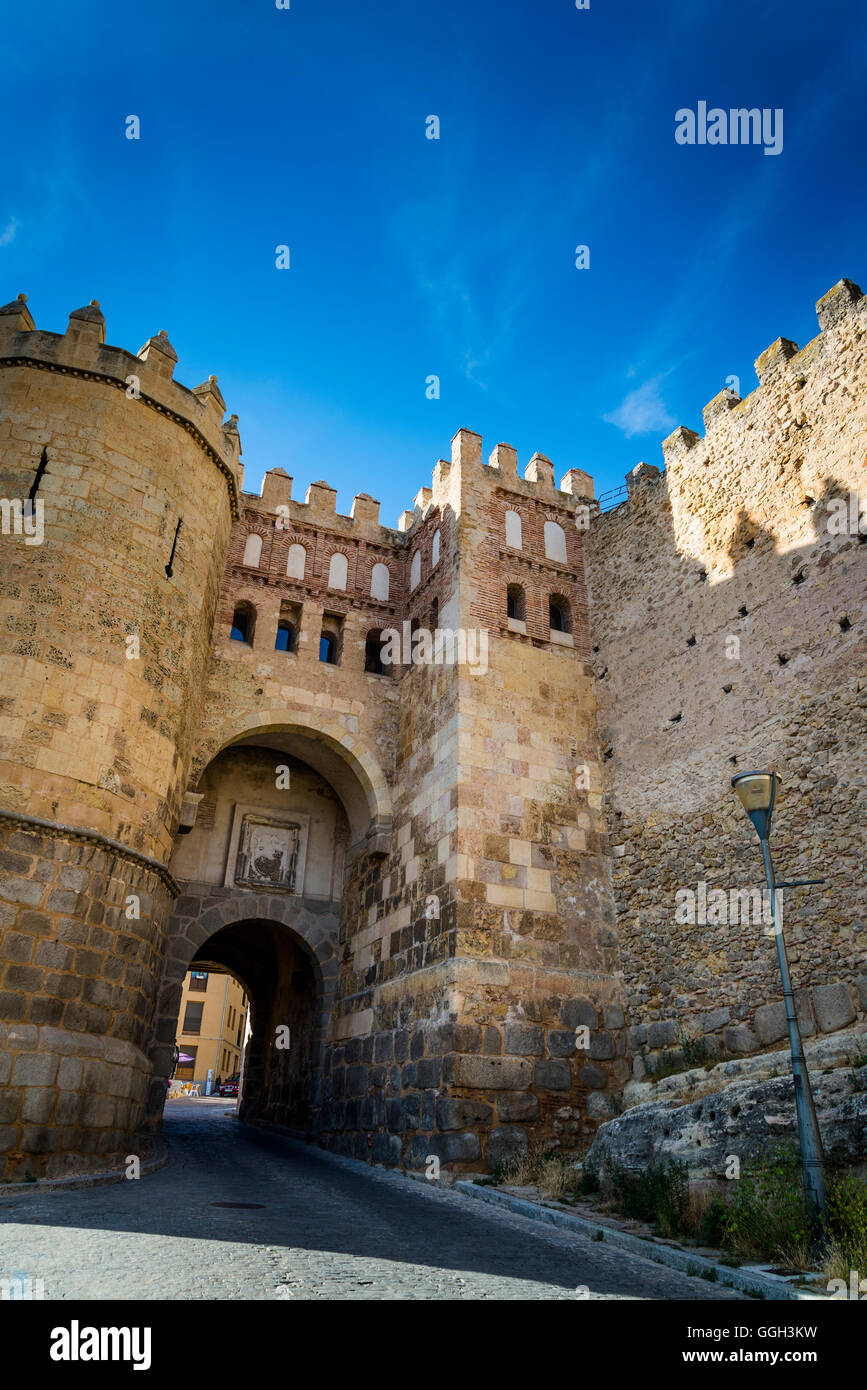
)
(261, 939)
(253, 922)
(328, 744)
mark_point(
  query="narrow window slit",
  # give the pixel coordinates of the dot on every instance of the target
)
(40, 473)
(169, 566)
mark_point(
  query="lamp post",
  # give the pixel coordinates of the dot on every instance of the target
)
(757, 792)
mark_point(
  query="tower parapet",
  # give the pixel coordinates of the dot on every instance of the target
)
(727, 618)
(146, 377)
(109, 604)
(786, 374)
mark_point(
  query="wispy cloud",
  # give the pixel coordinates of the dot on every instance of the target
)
(474, 291)
(642, 411)
(7, 236)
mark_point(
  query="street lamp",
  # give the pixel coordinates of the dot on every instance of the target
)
(757, 792)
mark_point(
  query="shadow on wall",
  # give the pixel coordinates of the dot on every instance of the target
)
(754, 657)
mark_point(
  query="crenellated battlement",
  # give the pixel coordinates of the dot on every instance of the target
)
(786, 376)
(275, 506)
(502, 469)
(489, 822)
(319, 507)
(146, 377)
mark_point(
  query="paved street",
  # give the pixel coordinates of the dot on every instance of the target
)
(326, 1229)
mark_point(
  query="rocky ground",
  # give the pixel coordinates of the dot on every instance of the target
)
(744, 1107)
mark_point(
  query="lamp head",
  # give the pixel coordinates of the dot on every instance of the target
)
(757, 792)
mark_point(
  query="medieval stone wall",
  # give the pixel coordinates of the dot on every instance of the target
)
(728, 614)
(494, 817)
(138, 480)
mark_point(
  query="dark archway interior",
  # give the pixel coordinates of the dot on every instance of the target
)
(281, 1069)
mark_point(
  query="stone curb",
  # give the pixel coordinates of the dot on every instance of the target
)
(693, 1265)
(696, 1265)
(24, 1189)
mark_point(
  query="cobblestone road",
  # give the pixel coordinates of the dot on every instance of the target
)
(327, 1229)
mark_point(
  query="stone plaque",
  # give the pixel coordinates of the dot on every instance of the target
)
(266, 852)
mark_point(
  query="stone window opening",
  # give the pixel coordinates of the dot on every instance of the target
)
(330, 639)
(559, 614)
(243, 623)
(415, 570)
(40, 473)
(435, 550)
(373, 662)
(170, 567)
(285, 640)
(516, 605)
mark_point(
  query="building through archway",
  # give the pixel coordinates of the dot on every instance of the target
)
(261, 877)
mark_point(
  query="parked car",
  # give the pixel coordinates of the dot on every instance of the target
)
(229, 1087)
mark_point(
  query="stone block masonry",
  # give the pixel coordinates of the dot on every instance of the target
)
(460, 906)
(727, 601)
(105, 646)
(76, 1000)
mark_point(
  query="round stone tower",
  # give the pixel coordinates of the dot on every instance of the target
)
(118, 488)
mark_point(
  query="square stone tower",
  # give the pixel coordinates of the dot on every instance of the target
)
(478, 1005)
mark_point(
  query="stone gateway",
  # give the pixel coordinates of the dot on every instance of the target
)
(453, 882)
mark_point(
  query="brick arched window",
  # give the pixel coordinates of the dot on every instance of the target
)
(253, 550)
(373, 662)
(338, 570)
(514, 531)
(555, 542)
(380, 580)
(516, 604)
(559, 614)
(296, 562)
(243, 623)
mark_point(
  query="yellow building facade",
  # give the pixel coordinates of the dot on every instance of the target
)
(211, 1026)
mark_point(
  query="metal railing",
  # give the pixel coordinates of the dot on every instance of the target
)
(612, 498)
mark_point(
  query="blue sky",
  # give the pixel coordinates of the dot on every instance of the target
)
(412, 257)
